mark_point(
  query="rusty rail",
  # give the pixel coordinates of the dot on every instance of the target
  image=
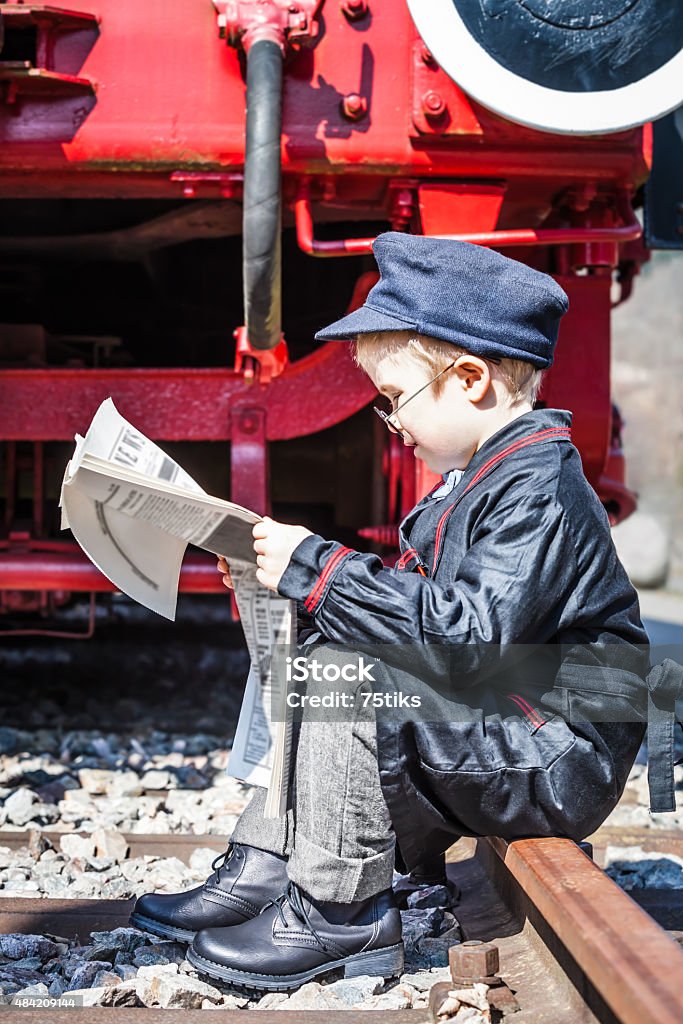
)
(629, 961)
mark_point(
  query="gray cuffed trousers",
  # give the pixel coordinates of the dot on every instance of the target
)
(337, 834)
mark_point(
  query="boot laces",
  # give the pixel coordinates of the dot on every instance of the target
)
(292, 897)
(225, 859)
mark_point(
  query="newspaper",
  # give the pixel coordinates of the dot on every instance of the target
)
(134, 510)
(266, 619)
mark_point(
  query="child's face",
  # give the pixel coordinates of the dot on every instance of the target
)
(445, 431)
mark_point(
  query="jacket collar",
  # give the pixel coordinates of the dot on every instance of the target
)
(539, 426)
(528, 424)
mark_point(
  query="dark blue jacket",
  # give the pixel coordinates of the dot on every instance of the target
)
(520, 553)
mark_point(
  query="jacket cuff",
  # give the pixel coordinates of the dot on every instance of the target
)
(312, 567)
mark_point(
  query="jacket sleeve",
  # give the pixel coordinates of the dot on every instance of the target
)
(511, 586)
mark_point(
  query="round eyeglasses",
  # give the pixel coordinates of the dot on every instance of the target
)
(388, 416)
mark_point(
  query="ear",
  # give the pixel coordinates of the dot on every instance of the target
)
(474, 377)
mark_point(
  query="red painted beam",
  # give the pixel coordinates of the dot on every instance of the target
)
(187, 404)
(71, 570)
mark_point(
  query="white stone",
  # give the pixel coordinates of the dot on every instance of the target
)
(39, 989)
(155, 779)
(202, 858)
(643, 543)
(170, 991)
(77, 846)
(110, 843)
(183, 800)
(423, 980)
(397, 999)
(94, 780)
(154, 969)
(272, 1000)
(123, 994)
(470, 1015)
(313, 996)
(149, 826)
(77, 796)
(19, 806)
(88, 996)
(134, 870)
(354, 990)
(124, 784)
(474, 996)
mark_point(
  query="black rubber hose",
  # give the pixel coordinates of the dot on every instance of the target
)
(262, 211)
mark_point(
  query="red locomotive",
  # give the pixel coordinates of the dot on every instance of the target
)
(172, 171)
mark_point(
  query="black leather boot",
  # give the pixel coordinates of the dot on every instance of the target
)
(295, 938)
(237, 889)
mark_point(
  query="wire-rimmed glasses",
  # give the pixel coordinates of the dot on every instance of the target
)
(388, 416)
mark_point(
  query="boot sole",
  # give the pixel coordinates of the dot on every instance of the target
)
(386, 963)
(165, 931)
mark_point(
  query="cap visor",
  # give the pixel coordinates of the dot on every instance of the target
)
(363, 320)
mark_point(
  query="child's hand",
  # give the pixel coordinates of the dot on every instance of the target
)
(274, 543)
(223, 567)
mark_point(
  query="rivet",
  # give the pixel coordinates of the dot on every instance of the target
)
(433, 104)
(354, 106)
(354, 9)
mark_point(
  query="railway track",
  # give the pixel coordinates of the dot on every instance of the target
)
(565, 943)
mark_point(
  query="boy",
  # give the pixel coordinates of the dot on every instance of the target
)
(513, 549)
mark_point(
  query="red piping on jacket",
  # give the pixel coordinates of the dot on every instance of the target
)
(405, 557)
(319, 586)
(530, 712)
(523, 442)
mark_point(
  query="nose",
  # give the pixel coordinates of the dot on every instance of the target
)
(407, 439)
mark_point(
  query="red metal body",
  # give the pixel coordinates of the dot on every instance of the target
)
(125, 100)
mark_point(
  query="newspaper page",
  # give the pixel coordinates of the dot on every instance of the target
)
(263, 740)
(149, 574)
(134, 510)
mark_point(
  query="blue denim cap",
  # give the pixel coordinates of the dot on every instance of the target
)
(462, 293)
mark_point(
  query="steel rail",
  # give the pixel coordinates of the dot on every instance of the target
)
(632, 963)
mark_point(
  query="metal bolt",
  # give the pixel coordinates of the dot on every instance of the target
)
(354, 107)
(474, 961)
(354, 9)
(427, 57)
(433, 104)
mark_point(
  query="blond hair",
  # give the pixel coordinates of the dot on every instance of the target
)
(522, 380)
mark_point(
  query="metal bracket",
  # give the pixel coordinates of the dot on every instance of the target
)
(287, 23)
(262, 364)
(249, 476)
(38, 77)
(440, 107)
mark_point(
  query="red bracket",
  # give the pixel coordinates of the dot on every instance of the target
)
(245, 22)
(38, 78)
(262, 364)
